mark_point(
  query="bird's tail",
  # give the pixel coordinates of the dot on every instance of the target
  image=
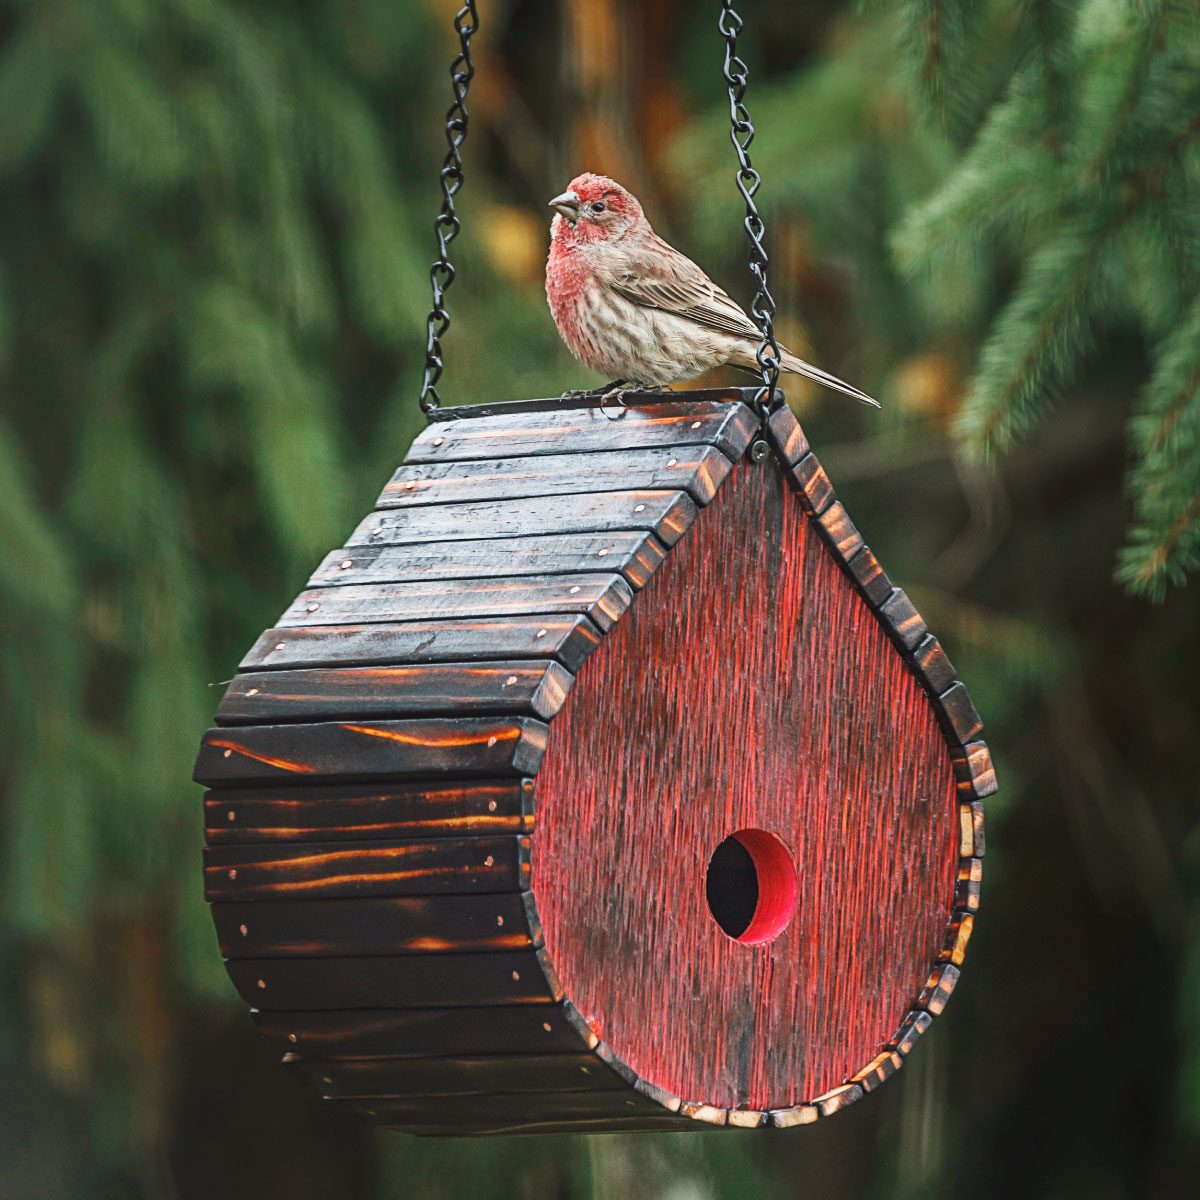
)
(789, 362)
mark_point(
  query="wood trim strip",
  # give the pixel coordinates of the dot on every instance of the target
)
(536, 688)
(697, 470)
(445, 924)
(601, 597)
(405, 981)
(328, 870)
(635, 554)
(567, 637)
(351, 751)
(420, 1032)
(726, 426)
(301, 813)
(666, 514)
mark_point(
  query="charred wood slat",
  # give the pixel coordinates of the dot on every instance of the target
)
(971, 842)
(881, 1068)
(911, 1028)
(902, 618)
(408, 981)
(479, 746)
(697, 470)
(932, 666)
(666, 514)
(584, 430)
(267, 697)
(808, 478)
(840, 532)
(870, 576)
(959, 714)
(420, 1032)
(388, 812)
(958, 934)
(938, 988)
(634, 554)
(601, 597)
(328, 870)
(786, 436)
(514, 1108)
(577, 1125)
(361, 928)
(969, 884)
(566, 637)
(405, 1078)
(973, 770)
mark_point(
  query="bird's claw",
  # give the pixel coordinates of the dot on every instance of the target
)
(616, 394)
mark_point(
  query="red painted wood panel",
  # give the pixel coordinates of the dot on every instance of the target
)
(748, 686)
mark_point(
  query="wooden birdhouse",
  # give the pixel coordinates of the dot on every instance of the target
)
(601, 781)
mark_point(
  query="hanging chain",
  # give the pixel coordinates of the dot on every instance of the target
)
(741, 133)
(447, 225)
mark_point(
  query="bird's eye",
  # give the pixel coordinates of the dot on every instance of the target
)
(599, 206)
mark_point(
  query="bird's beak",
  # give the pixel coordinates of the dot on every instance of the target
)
(567, 205)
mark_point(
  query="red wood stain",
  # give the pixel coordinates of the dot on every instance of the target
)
(748, 686)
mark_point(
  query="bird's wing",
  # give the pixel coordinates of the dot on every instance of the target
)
(656, 275)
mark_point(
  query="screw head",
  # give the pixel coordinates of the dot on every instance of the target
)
(759, 451)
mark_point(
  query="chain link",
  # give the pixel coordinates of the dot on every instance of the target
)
(741, 134)
(441, 274)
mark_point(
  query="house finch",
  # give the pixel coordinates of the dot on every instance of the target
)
(633, 308)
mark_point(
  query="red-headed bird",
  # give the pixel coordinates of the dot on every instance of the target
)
(634, 309)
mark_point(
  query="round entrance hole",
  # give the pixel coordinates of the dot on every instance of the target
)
(751, 886)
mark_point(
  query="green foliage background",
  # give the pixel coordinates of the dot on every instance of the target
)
(215, 228)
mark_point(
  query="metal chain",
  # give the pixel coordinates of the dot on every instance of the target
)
(441, 274)
(741, 133)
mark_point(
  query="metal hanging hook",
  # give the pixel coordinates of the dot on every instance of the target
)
(447, 225)
(741, 134)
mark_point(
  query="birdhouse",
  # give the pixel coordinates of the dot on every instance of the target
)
(601, 781)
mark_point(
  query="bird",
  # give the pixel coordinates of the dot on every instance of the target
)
(634, 309)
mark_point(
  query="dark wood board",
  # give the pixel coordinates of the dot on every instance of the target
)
(633, 553)
(476, 746)
(420, 1032)
(601, 597)
(728, 426)
(938, 989)
(911, 1028)
(809, 479)
(901, 616)
(974, 771)
(840, 531)
(417, 1078)
(786, 436)
(972, 843)
(362, 812)
(697, 470)
(969, 884)
(870, 576)
(520, 1107)
(838, 1098)
(881, 1068)
(932, 665)
(667, 515)
(406, 981)
(318, 870)
(594, 401)
(958, 934)
(961, 717)
(534, 687)
(362, 928)
(567, 637)
(574, 1125)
